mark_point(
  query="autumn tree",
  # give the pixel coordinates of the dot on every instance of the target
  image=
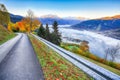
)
(35, 24)
(30, 16)
(84, 46)
(26, 24)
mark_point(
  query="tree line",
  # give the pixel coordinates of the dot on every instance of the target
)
(54, 37)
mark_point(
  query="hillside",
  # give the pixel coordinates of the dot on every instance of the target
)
(98, 25)
(4, 15)
(113, 33)
(113, 17)
(5, 34)
(15, 18)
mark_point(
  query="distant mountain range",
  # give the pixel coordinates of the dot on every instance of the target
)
(115, 33)
(62, 21)
(50, 19)
(102, 24)
(111, 17)
(15, 18)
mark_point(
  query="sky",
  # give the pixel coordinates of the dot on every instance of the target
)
(64, 8)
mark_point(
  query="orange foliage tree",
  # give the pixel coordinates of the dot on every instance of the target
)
(23, 25)
(27, 24)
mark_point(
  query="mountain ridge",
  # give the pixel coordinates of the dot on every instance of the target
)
(98, 25)
(110, 17)
(49, 19)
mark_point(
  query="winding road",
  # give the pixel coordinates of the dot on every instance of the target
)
(18, 60)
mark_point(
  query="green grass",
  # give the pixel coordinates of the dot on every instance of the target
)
(5, 35)
(70, 47)
(54, 66)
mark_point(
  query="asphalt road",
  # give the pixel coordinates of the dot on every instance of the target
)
(21, 62)
(7, 46)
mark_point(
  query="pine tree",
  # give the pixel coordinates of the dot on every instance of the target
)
(47, 33)
(56, 36)
(41, 31)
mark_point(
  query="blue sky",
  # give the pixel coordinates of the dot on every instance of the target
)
(64, 8)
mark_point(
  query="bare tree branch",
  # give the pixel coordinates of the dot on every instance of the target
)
(113, 52)
(30, 15)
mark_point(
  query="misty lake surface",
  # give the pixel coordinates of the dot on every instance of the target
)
(98, 43)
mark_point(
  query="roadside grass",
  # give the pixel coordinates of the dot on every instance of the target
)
(54, 66)
(90, 57)
(5, 35)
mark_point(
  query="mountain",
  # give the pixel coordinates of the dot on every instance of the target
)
(110, 18)
(112, 33)
(76, 18)
(61, 21)
(15, 18)
(50, 16)
(98, 24)
(50, 19)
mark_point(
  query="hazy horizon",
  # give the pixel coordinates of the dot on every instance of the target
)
(64, 8)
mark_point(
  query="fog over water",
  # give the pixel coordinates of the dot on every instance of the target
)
(98, 43)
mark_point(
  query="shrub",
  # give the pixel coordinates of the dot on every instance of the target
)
(87, 54)
(102, 60)
(80, 51)
(117, 66)
(93, 57)
(112, 64)
(74, 49)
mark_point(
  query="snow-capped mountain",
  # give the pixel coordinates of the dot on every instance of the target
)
(61, 21)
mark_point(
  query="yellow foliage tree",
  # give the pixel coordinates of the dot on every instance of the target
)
(23, 25)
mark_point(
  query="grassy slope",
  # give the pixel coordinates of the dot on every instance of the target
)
(116, 71)
(5, 34)
(54, 66)
(100, 64)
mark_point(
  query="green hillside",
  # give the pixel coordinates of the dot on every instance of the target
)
(4, 20)
(4, 15)
(5, 34)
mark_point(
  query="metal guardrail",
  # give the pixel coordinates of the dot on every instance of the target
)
(93, 70)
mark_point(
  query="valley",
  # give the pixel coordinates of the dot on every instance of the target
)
(98, 43)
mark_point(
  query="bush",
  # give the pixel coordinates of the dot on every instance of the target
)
(87, 54)
(102, 60)
(112, 64)
(117, 66)
(93, 57)
(74, 49)
(80, 51)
